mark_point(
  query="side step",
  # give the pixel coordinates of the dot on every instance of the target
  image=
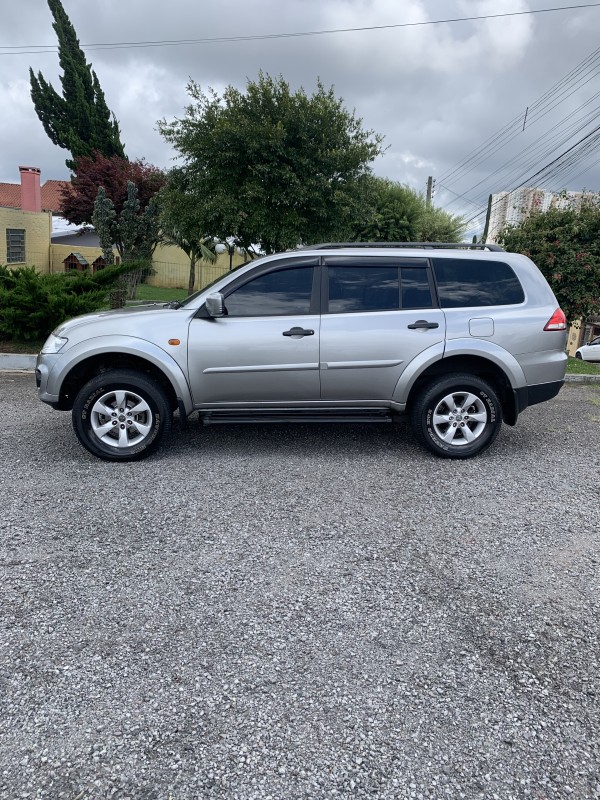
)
(270, 415)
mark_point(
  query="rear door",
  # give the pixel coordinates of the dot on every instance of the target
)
(379, 313)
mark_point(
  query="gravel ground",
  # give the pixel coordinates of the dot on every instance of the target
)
(303, 612)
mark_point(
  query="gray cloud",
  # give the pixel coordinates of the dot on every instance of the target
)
(436, 92)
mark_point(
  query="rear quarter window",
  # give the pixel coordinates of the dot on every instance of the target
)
(475, 282)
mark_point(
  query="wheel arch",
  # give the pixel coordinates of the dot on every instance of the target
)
(471, 364)
(171, 380)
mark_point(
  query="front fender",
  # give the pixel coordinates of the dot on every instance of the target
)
(54, 369)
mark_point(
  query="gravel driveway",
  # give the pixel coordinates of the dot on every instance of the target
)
(303, 612)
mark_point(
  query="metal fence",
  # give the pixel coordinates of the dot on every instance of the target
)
(170, 275)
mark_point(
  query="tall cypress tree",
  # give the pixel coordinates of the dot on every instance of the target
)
(79, 121)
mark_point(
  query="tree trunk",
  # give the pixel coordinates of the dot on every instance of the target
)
(192, 279)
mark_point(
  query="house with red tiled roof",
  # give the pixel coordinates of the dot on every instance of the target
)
(27, 239)
(15, 195)
(26, 212)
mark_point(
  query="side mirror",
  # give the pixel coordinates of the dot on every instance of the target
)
(215, 305)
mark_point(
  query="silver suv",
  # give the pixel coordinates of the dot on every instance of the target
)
(460, 338)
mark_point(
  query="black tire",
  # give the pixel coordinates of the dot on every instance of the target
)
(578, 355)
(112, 430)
(445, 426)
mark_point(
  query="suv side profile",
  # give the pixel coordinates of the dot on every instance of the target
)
(460, 337)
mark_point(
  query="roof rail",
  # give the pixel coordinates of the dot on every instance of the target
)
(422, 245)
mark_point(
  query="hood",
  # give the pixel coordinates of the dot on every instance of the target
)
(149, 309)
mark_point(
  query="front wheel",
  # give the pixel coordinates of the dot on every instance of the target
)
(457, 416)
(121, 415)
(578, 355)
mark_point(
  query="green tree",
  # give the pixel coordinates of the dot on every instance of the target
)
(393, 212)
(565, 245)
(270, 166)
(79, 121)
(389, 212)
(437, 225)
(182, 225)
(135, 232)
(103, 219)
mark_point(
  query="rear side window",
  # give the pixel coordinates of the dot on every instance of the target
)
(467, 282)
(360, 289)
(372, 285)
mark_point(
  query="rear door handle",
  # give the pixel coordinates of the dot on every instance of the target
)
(422, 323)
(299, 332)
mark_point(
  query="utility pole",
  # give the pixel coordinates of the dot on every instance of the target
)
(487, 221)
(429, 191)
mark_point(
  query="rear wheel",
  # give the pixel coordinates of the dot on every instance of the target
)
(121, 415)
(456, 416)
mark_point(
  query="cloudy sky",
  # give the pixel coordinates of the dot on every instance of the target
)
(450, 98)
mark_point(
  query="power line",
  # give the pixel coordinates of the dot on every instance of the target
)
(33, 49)
(569, 157)
(546, 103)
(544, 146)
(541, 148)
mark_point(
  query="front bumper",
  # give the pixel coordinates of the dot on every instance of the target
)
(44, 365)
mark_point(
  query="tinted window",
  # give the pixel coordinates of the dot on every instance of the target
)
(467, 282)
(363, 289)
(415, 288)
(286, 291)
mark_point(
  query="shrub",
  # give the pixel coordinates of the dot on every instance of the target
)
(32, 305)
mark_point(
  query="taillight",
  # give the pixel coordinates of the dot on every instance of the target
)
(557, 322)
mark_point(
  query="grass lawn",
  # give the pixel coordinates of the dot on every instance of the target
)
(159, 295)
(576, 366)
(28, 348)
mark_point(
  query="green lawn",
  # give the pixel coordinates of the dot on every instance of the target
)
(159, 295)
(576, 366)
(28, 348)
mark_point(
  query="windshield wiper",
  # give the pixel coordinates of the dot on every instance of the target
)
(172, 304)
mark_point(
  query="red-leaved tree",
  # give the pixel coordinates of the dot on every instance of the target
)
(113, 174)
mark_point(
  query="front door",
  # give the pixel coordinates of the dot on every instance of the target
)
(378, 315)
(266, 350)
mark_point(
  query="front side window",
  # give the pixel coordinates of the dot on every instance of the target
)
(285, 292)
(15, 246)
(474, 282)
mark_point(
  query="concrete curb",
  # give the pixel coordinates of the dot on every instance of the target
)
(11, 362)
(582, 379)
(19, 362)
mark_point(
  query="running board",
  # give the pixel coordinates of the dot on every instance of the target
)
(252, 416)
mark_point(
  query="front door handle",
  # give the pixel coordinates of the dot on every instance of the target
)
(299, 332)
(422, 323)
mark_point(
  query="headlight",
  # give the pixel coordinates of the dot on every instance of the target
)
(54, 343)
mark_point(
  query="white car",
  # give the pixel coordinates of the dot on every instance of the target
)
(590, 351)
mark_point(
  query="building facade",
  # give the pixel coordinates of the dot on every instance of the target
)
(26, 238)
(511, 208)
